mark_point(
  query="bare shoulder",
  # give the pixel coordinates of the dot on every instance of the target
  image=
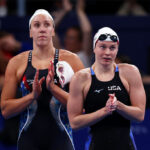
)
(123, 67)
(128, 70)
(67, 55)
(72, 59)
(19, 59)
(17, 65)
(81, 81)
(82, 75)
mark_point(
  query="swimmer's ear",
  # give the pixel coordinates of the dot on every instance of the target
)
(53, 32)
(30, 33)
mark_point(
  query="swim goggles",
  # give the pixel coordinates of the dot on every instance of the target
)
(108, 37)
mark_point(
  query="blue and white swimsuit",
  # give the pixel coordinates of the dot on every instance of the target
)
(44, 124)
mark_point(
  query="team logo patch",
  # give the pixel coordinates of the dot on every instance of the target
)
(114, 88)
(98, 91)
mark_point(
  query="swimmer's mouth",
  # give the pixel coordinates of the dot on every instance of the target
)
(42, 37)
(107, 58)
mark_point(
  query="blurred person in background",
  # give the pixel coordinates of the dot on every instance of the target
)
(3, 8)
(77, 39)
(122, 58)
(9, 47)
(131, 7)
(41, 73)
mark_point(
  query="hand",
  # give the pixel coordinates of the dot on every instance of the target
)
(67, 5)
(111, 104)
(37, 88)
(50, 77)
(80, 5)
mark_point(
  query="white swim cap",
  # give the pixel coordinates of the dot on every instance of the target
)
(41, 12)
(106, 34)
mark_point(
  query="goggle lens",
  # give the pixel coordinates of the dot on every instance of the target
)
(103, 37)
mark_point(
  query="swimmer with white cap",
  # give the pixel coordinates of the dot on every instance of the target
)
(41, 12)
(44, 124)
(111, 95)
(105, 34)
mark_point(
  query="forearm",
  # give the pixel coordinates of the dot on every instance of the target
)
(84, 120)
(132, 113)
(66, 7)
(59, 16)
(59, 94)
(12, 107)
(84, 22)
(86, 31)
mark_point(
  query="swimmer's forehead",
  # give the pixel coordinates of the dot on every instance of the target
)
(41, 12)
(41, 17)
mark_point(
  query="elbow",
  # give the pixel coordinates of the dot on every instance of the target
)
(74, 126)
(4, 112)
(140, 118)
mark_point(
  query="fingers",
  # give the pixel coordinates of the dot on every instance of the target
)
(36, 75)
(51, 75)
(67, 5)
(41, 80)
(51, 72)
(80, 5)
(112, 95)
(37, 85)
(51, 68)
(111, 104)
(36, 79)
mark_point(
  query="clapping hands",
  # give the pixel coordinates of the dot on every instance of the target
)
(50, 77)
(37, 85)
(111, 104)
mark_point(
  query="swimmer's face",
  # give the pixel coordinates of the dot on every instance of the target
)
(106, 51)
(42, 30)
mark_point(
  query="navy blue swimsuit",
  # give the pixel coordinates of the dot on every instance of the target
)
(113, 132)
(44, 124)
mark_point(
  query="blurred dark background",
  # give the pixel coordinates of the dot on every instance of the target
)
(94, 7)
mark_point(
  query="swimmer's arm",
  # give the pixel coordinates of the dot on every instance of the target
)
(10, 106)
(85, 26)
(57, 92)
(76, 65)
(60, 14)
(58, 17)
(136, 111)
(75, 105)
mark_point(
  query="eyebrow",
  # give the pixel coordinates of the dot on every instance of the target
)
(42, 21)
